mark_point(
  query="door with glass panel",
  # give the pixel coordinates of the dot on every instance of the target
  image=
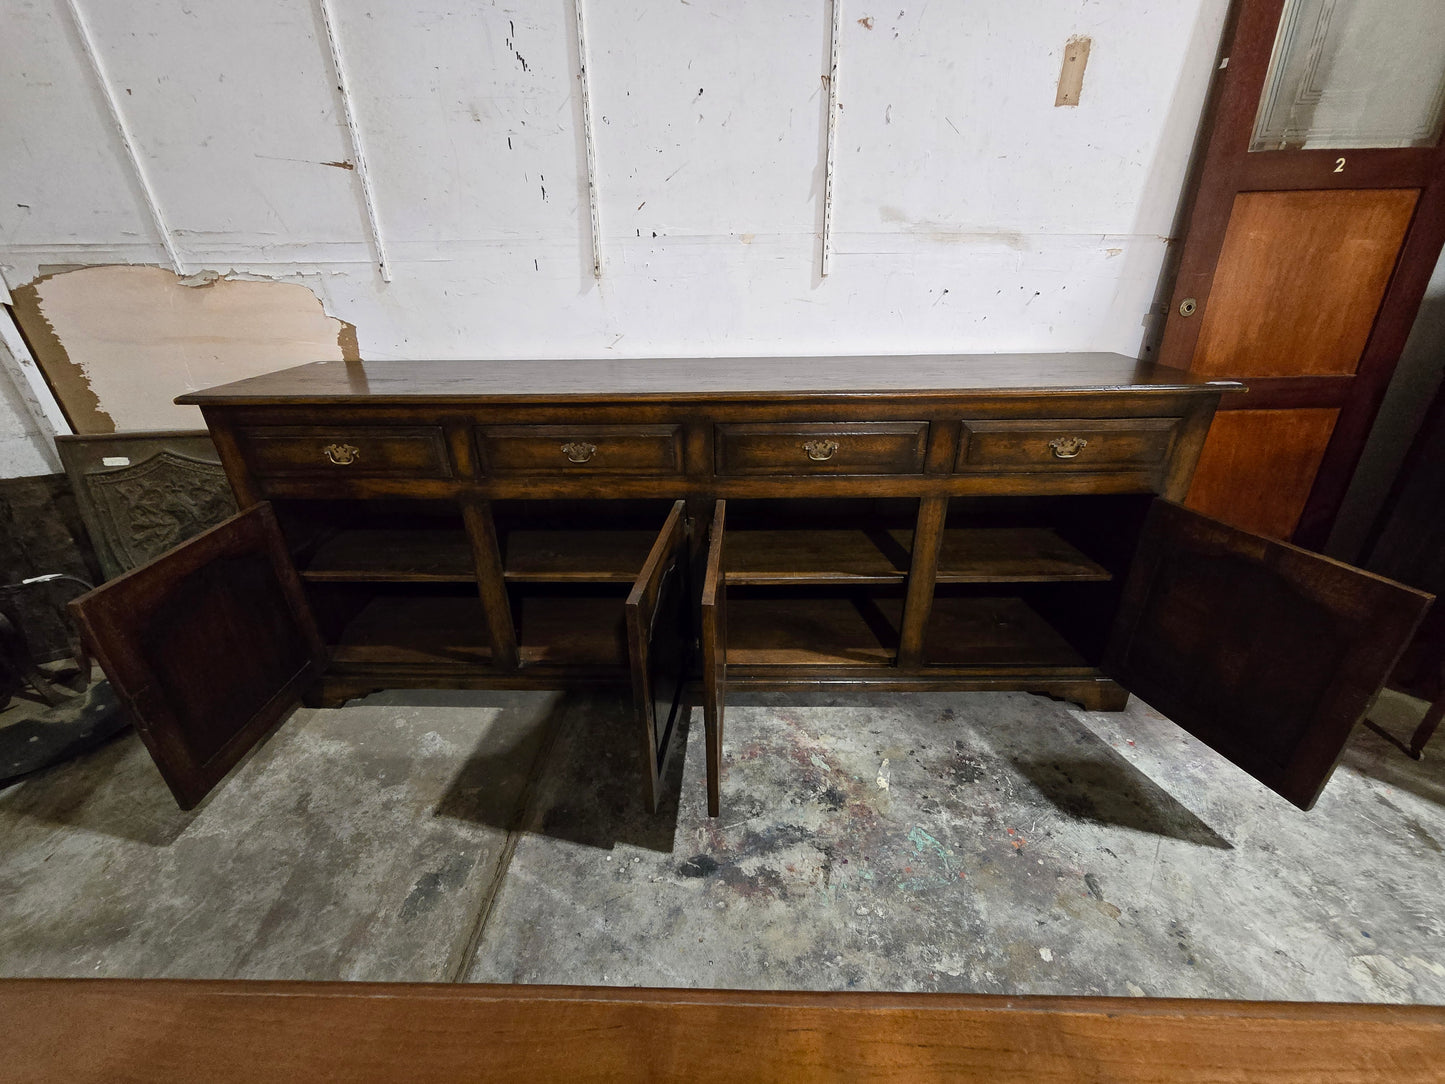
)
(1316, 214)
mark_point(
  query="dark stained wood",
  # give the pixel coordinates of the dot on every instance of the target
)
(659, 641)
(208, 647)
(1299, 281)
(994, 631)
(631, 380)
(567, 630)
(1258, 466)
(355, 450)
(1284, 392)
(581, 449)
(158, 1032)
(600, 555)
(1266, 652)
(922, 576)
(1013, 555)
(394, 555)
(829, 555)
(714, 654)
(847, 604)
(1082, 444)
(827, 630)
(437, 630)
(804, 448)
(491, 588)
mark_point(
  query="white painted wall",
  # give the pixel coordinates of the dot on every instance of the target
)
(29, 416)
(970, 214)
(25, 449)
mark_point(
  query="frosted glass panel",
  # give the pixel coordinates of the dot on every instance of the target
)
(1354, 73)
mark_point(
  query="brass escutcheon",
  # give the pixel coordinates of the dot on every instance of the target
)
(578, 451)
(819, 450)
(341, 454)
(1067, 447)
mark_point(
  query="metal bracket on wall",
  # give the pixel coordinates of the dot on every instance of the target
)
(588, 143)
(832, 151)
(353, 131)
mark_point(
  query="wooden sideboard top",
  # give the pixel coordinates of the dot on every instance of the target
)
(701, 378)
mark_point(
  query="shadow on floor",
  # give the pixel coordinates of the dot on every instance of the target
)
(583, 778)
(1375, 756)
(1102, 787)
(113, 790)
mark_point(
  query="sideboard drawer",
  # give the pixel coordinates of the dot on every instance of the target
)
(820, 447)
(581, 449)
(1090, 444)
(346, 451)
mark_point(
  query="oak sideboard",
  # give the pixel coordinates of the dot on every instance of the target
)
(695, 526)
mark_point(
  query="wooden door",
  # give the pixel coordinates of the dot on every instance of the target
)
(208, 647)
(659, 638)
(714, 655)
(1316, 214)
(1266, 652)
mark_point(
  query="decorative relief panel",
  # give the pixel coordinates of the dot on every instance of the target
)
(142, 494)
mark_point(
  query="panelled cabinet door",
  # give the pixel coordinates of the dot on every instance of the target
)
(208, 646)
(658, 641)
(714, 655)
(1266, 652)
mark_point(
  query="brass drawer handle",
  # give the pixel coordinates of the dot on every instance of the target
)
(342, 455)
(1067, 447)
(819, 450)
(578, 451)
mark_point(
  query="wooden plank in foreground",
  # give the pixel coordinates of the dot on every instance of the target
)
(158, 1031)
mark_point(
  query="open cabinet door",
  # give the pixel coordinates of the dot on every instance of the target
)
(714, 655)
(208, 647)
(1266, 652)
(658, 639)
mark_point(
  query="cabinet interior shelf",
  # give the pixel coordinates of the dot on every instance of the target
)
(1013, 555)
(831, 631)
(801, 556)
(392, 555)
(994, 632)
(448, 631)
(576, 631)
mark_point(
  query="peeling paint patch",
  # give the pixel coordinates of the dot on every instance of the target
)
(73, 391)
(119, 343)
(346, 341)
(1071, 75)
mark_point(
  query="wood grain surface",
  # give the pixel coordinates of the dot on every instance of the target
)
(1300, 280)
(660, 378)
(1257, 467)
(119, 1031)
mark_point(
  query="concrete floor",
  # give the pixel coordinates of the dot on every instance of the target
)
(999, 843)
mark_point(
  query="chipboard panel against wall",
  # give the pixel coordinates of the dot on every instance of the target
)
(970, 212)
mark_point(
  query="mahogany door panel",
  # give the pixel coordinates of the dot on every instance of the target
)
(659, 637)
(1257, 467)
(1264, 651)
(1299, 281)
(208, 647)
(1313, 217)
